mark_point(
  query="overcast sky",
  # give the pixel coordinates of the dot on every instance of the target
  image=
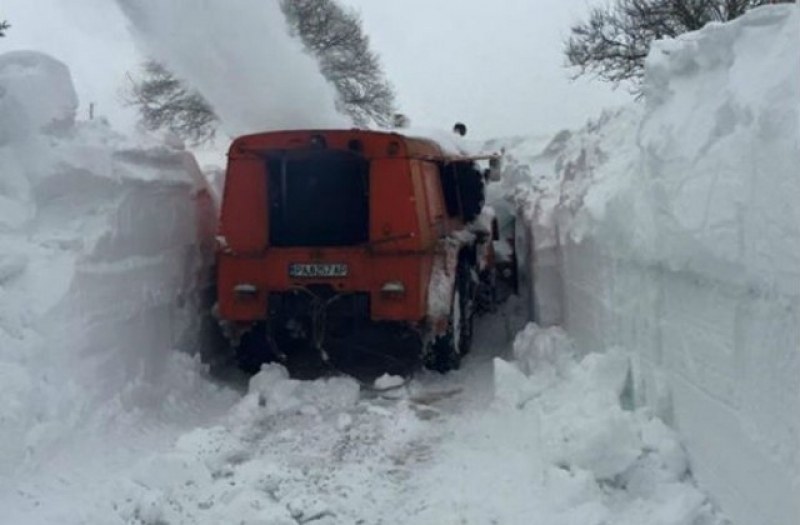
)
(497, 66)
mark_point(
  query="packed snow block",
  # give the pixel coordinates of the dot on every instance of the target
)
(106, 247)
(138, 284)
(545, 277)
(721, 141)
(719, 364)
(536, 349)
(677, 239)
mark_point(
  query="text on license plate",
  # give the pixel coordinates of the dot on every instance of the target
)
(318, 270)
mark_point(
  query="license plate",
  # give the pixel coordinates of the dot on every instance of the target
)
(311, 270)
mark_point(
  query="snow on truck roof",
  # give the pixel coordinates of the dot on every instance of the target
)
(418, 142)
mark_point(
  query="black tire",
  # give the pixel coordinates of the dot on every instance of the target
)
(255, 349)
(467, 289)
(444, 354)
(486, 299)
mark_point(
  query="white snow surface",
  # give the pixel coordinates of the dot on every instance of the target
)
(488, 444)
(104, 247)
(672, 231)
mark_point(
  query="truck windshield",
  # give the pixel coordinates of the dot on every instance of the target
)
(318, 198)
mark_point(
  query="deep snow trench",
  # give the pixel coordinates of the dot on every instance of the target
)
(671, 266)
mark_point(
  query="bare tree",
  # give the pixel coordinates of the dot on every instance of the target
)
(613, 43)
(333, 34)
(4, 26)
(164, 102)
(329, 32)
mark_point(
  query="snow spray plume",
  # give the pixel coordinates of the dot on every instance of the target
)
(239, 55)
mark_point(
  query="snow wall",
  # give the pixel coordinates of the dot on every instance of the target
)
(673, 231)
(104, 252)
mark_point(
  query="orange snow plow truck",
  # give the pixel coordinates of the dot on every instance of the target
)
(358, 251)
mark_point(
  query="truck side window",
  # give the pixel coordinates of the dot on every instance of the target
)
(449, 178)
(471, 191)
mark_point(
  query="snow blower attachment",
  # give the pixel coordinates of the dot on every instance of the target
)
(358, 251)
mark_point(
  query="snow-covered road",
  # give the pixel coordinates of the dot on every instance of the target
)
(538, 437)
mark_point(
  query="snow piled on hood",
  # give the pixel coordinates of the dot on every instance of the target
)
(240, 56)
(104, 249)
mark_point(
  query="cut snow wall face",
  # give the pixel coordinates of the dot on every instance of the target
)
(105, 251)
(675, 235)
(719, 364)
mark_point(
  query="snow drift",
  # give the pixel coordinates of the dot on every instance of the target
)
(673, 231)
(104, 253)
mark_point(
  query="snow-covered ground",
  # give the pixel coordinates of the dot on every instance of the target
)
(672, 231)
(664, 239)
(536, 436)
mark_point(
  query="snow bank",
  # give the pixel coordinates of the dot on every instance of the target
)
(255, 75)
(672, 231)
(289, 452)
(104, 252)
(558, 452)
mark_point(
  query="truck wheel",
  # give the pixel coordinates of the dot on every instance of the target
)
(255, 349)
(447, 350)
(465, 301)
(444, 354)
(486, 297)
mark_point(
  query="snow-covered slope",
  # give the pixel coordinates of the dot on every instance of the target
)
(673, 231)
(104, 252)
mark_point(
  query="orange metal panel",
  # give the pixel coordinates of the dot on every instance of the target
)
(436, 208)
(394, 225)
(421, 199)
(243, 220)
